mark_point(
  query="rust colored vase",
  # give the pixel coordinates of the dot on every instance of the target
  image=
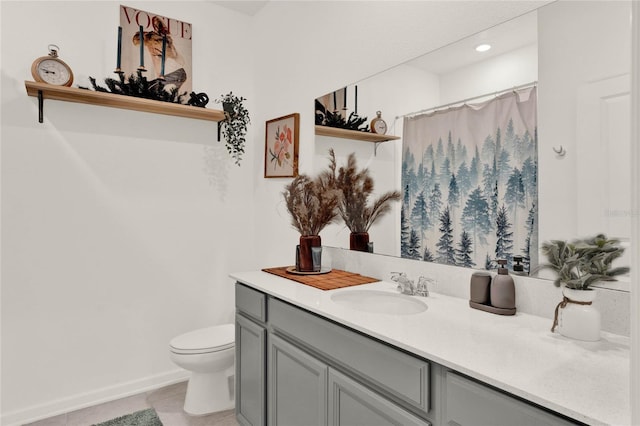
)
(306, 259)
(359, 241)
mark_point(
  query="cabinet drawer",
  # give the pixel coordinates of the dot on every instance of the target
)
(471, 403)
(251, 302)
(400, 376)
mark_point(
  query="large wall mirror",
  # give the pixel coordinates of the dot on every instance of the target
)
(576, 55)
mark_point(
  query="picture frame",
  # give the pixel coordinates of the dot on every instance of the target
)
(140, 40)
(281, 146)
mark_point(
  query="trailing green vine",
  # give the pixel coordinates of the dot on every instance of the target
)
(234, 127)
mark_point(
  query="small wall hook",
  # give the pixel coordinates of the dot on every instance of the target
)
(560, 151)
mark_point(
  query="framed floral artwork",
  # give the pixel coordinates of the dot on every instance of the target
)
(281, 146)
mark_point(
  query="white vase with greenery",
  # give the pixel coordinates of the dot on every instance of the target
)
(578, 265)
(577, 318)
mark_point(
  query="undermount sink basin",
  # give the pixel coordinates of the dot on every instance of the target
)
(379, 302)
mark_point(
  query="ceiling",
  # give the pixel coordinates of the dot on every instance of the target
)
(513, 34)
(247, 7)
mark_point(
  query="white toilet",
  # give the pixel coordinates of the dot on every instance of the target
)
(209, 354)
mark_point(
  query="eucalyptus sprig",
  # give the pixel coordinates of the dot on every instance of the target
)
(583, 262)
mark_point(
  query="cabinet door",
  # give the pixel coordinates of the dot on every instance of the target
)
(251, 350)
(390, 371)
(471, 404)
(297, 386)
(351, 404)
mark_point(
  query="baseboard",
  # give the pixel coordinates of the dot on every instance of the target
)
(95, 397)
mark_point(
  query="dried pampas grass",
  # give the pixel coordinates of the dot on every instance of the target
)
(312, 203)
(355, 188)
(315, 203)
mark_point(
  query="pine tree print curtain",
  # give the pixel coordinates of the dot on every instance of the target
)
(470, 183)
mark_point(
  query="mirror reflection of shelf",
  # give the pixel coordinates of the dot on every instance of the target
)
(71, 94)
(355, 135)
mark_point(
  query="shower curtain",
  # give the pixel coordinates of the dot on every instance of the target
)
(469, 175)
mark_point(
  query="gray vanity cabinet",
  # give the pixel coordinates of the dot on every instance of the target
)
(286, 360)
(296, 368)
(297, 386)
(251, 347)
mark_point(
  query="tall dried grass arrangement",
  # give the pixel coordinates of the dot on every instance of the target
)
(355, 188)
(312, 204)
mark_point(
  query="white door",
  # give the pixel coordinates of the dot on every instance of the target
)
(604, 160)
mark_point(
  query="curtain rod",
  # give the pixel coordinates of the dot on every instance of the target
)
(464, 101)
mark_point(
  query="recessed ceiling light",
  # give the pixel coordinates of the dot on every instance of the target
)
(483, 47)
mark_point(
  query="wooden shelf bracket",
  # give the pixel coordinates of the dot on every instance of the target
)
(40, 107)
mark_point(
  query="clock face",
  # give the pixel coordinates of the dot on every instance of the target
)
(380, 127)
(53, 72)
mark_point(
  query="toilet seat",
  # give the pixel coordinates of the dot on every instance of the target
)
(204, 340)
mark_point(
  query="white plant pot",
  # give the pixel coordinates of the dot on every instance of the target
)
(579, 321)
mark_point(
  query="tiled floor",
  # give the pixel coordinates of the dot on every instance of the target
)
(167, 401)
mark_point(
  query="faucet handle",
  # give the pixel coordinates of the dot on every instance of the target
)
(395, 276)
(405, 285)
(422, 289)
(426, 280)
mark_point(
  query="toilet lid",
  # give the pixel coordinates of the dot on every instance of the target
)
(210, 339)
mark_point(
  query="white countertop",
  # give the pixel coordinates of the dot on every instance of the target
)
(587, 381)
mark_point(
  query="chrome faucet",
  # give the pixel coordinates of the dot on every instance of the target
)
(407, 286)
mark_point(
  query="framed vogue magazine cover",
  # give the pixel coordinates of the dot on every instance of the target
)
(281, 146)
(159, 44)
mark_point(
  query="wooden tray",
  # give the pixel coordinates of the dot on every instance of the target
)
(329, 281)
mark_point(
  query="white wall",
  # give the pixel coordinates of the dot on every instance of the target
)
(119, 228)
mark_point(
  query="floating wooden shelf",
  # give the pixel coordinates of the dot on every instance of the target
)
(71, 94)
(353, 134)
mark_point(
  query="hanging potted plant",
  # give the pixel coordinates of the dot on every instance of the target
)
(355, 188)
(577, 265)
(312, 204)
(234, 126)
